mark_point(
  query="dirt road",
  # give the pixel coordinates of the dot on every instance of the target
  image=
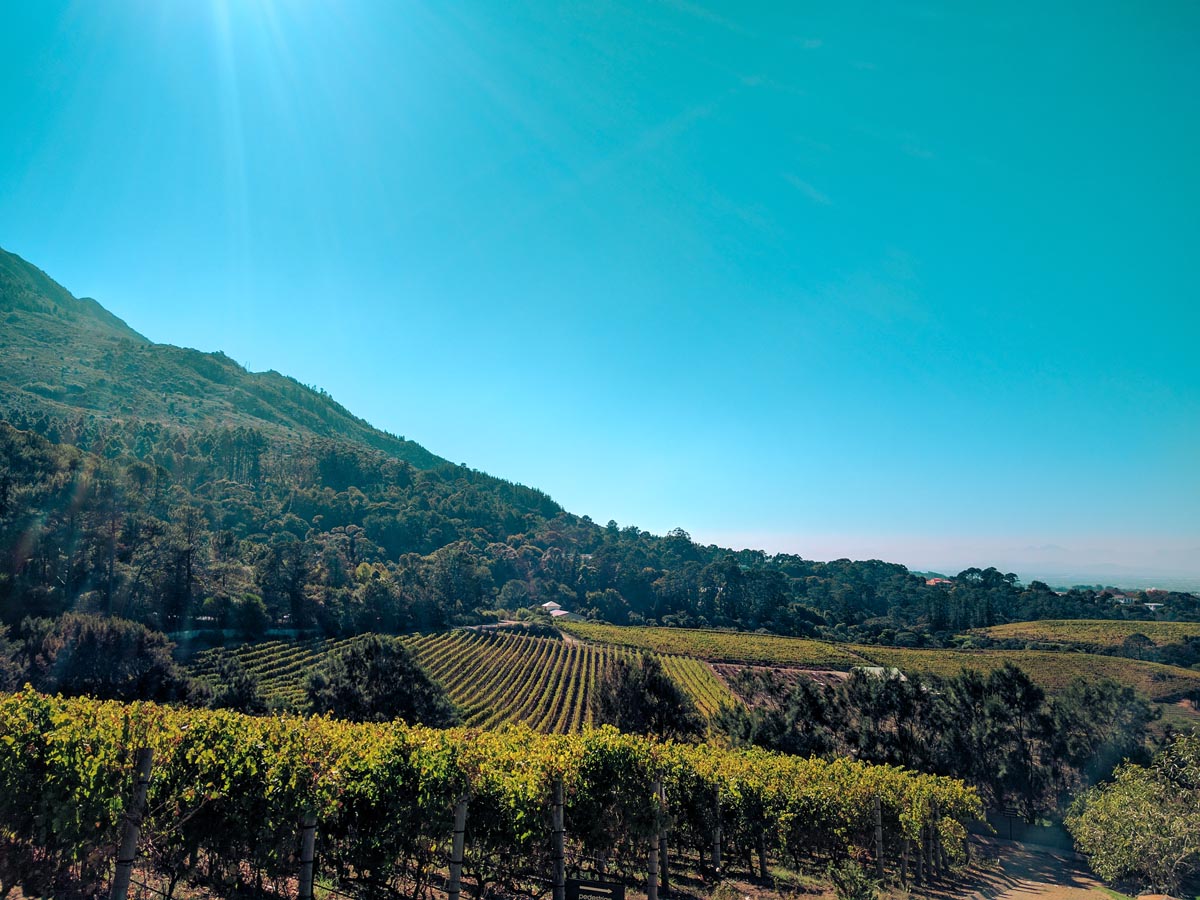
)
(1027, 872)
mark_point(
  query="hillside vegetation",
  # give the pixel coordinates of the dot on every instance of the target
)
(1052, 670)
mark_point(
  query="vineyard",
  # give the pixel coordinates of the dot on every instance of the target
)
(724, 646)
(229, 795)
(494, 677)
(1092, 632)
(504, 676)
(1052, 670)
(281, 667)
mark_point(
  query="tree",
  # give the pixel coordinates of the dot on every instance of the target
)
(375, 679)
(112, 659)
(1145, 824)
(1096, 726)
(236, 688)
(804, 719)
(889, 717)
(639, 697)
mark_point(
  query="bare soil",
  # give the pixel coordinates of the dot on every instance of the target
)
(1006, 870)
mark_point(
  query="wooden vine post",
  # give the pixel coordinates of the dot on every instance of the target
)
(927, 854)
(717, 837)
(458, 848)
(308, 843)
(943, 858)
(132, 829)
(919, 859)
(878, 838)
(664, 861)
(652, 869)
(560, 870)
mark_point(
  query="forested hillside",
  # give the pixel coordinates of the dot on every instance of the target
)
(175, 488)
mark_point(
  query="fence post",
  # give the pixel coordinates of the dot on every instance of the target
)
(457, 848)
(878, 838)
(560, 872)
(132, 828)
(664, 855)
(308, 840)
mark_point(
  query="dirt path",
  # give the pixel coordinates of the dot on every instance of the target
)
(1026, 872)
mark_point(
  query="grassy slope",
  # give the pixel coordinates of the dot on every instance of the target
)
(1092, 632)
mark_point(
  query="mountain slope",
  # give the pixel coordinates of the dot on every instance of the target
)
(60, 354)
(175, 488)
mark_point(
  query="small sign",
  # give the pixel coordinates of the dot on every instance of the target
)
(578, 889)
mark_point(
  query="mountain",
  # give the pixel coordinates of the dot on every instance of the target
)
(177, 489)
(59, 353)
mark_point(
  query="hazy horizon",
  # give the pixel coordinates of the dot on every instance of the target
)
(840, 282)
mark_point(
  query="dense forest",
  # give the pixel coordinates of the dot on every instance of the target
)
(226, 529)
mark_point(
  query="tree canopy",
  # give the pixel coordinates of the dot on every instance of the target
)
(375, 679)
(638, 697)
(1145, 824)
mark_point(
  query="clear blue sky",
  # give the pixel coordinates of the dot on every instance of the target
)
(918, 282)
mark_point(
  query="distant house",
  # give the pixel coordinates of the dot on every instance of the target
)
(1153, 607)
(1123, 599)
(559, 613)
(935, 581)
(551, 606)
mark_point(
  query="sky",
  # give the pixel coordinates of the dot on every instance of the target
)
(908, 281)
